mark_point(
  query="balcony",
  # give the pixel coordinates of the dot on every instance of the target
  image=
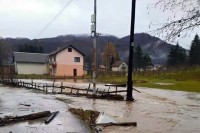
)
(53, 63)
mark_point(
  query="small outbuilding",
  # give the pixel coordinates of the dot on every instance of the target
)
(31, 63)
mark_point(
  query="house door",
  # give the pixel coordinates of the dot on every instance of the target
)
(75, 72)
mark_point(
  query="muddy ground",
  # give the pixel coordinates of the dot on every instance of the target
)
(155, 111)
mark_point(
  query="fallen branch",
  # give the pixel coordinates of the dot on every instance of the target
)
(107, 96)
(136, 90)
(116, 124)
(28, 105)
(12, 119)
(53, 115)
(116, 85)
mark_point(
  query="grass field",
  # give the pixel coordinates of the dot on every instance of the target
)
(182, 81)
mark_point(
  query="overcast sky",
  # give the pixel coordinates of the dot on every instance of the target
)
(27, 18)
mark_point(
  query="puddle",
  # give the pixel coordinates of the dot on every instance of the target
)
(164, 83)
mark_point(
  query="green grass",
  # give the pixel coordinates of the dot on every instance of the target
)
(191, 86)
(182, 81)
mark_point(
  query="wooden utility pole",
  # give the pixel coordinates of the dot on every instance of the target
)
(130, 64)
(107, 57)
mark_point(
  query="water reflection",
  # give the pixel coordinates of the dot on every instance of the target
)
(75, 80)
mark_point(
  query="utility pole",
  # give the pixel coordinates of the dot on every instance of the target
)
(130, 64)
(94, 35)
(107, 57)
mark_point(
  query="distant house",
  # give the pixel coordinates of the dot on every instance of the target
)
(67, 61)
(102, 68)
(120, 66)
(31, 63)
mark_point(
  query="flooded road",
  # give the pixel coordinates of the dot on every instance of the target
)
(155, 111)
(10, 100)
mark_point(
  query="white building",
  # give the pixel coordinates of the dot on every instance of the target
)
(120, 66)
(31, 63)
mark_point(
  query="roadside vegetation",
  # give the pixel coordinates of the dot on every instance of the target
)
(182, 71)
(182, 80)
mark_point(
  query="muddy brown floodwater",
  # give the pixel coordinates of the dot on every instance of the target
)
(155, 111)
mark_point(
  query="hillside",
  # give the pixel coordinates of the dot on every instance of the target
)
(156, 48)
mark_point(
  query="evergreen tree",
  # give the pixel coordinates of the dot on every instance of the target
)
(140, 60)
(21, 48)
(194, 56)
(139, 55)
(41, 50)
(117, 57)
(177, 56)
(35, 49)
(30, 49)
(26, 49)
(146, 61)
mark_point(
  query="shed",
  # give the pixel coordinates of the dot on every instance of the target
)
(31, 63)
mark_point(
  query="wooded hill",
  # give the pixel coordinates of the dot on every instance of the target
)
(155, 47)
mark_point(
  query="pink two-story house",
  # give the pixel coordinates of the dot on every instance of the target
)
(67, 61)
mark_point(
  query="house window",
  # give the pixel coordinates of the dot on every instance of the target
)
(76, 59)
(69, 49)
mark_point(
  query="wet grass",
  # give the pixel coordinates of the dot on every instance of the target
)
(88, 116)
(182, 81)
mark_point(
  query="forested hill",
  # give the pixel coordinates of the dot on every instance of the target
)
(156, 48)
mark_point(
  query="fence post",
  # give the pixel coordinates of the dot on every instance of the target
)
(71, 90)
(61, 87)
(116, 91)
(32, 83)
(46, 88)
(97, 90)
(53, 86)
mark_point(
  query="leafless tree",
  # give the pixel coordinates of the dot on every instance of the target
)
(185, 18)
(3, 51)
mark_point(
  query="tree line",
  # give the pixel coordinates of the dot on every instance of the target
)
(31, 48)
(110, 55)
(179, 56)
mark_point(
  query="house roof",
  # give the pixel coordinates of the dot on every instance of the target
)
(117, 63)
(30, 57)
(61, 49)
(102, 66)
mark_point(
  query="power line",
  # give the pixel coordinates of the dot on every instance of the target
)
(50, 22)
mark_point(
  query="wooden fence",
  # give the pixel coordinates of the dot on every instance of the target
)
(52, 88)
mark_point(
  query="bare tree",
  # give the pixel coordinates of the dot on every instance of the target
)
(3, 51)
(185, 18)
